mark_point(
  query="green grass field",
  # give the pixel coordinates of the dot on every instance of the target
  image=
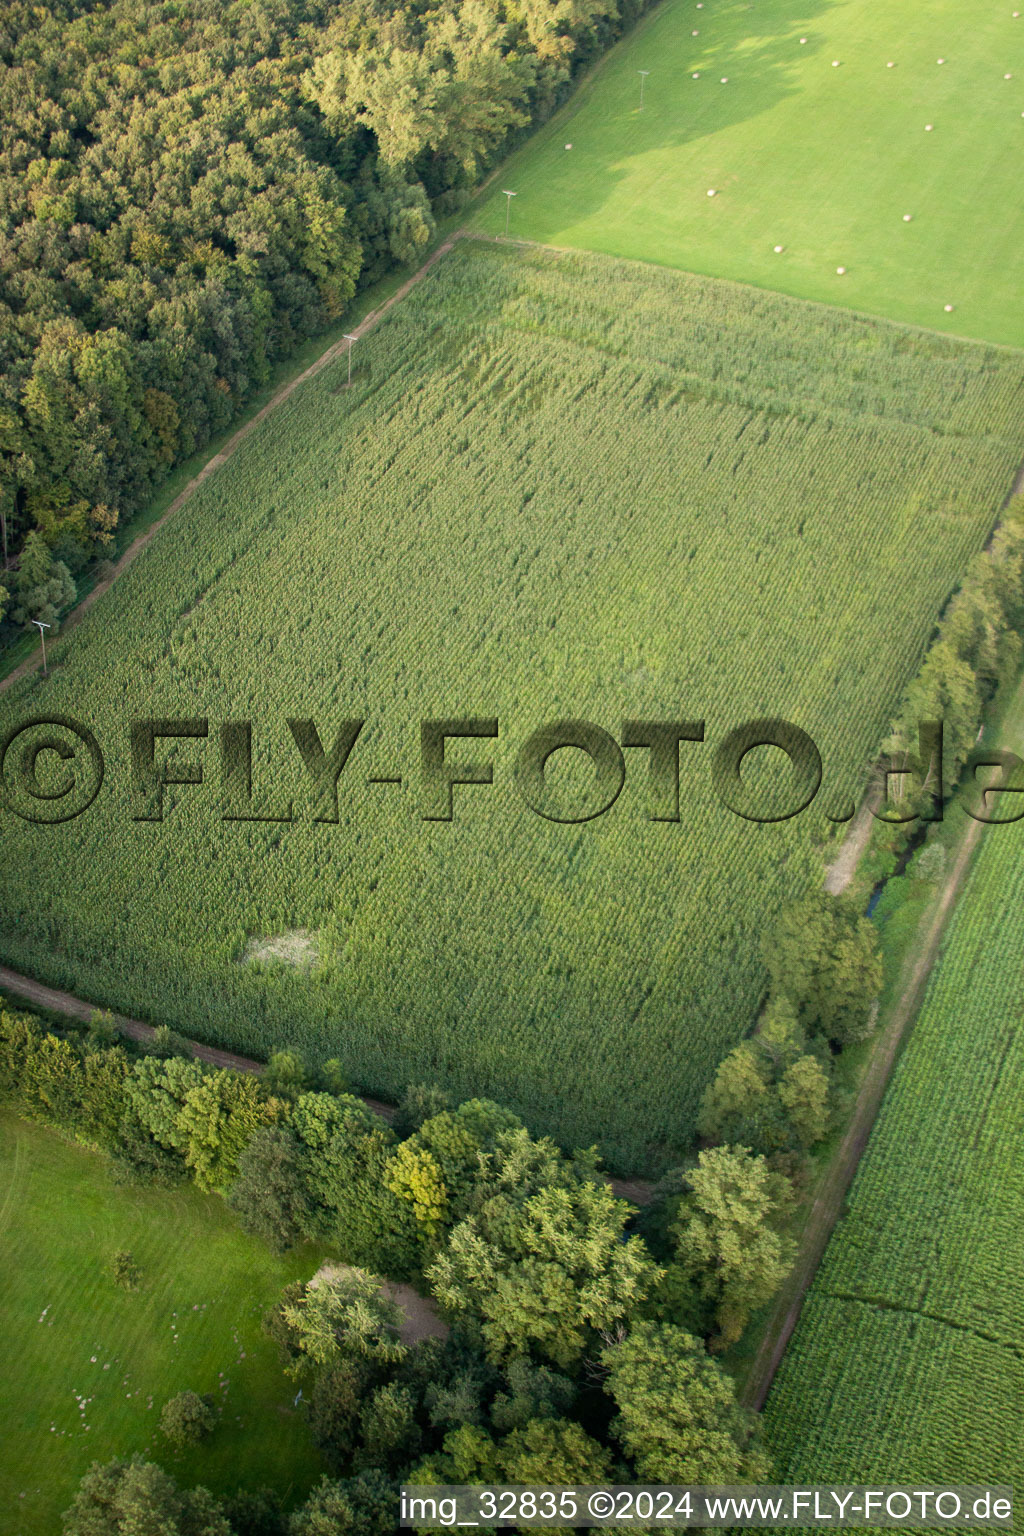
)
(823, 161)
(908, 1361)
(88, 1366)
(561, 486)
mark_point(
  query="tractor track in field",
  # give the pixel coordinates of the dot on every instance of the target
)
(886, 1304)
(17, 1175)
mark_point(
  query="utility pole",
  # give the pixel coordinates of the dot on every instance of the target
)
(350, 340)
(508, 207)
(643, 73)
(42, 639)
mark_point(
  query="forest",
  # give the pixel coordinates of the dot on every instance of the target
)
(189, 190)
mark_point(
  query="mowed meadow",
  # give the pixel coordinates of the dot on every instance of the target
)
(560, 486)
(881, 138)
(88, 1365)
(907, 1365)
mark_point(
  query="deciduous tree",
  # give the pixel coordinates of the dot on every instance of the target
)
(344, 1313)
(187, 1418)
(269, 1196)
(363, 1505)
(219, 1117)
(677, 1416)
(724, 1237)
(824, 959)
(770, 1093)
(540, 1267)
(129, 1498)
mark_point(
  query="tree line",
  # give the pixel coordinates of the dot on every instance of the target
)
(976, 648)
(189, 190)
(583, 1332)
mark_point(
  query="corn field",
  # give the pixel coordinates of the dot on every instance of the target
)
(559, 486)
(907, 1362)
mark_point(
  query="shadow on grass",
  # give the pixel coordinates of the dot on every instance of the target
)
(754, 46)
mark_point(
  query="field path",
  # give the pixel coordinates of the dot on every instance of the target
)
(843, 868)
(335, 350)
(636, 1191)
(828, 1202)
(73, 1007)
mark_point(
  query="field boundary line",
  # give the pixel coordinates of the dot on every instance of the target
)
(469, 233)
(213, 463)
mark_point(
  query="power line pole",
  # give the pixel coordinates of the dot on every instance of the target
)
(350, 340)
(643, 73)
(508, 207)
(42, 639)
